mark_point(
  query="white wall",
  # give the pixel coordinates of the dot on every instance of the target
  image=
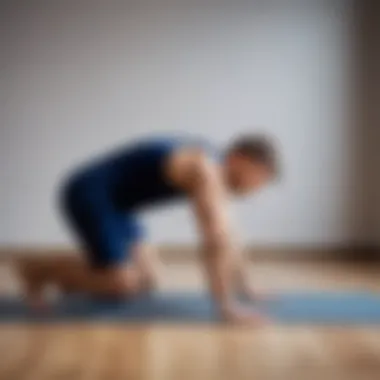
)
(79, 76)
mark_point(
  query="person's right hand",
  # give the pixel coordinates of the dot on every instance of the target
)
(243, 316)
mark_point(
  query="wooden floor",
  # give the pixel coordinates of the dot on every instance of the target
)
(154, 352)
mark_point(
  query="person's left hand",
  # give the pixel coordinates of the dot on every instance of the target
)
(252, 295)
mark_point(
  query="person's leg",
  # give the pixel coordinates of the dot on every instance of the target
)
(108, 238)
(71, 274)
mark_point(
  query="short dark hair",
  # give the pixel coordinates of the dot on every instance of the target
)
(260, 148)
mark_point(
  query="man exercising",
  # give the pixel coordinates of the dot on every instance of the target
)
(101, 202)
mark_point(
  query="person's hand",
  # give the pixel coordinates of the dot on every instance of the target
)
(150, 282)
(251, 295)
(243, 316)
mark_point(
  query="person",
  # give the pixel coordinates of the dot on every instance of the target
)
(101, 202)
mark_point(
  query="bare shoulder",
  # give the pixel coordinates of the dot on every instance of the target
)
(189, 167)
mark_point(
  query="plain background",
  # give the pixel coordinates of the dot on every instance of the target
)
(79, 77)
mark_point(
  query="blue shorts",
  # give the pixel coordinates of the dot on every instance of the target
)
(106, 234)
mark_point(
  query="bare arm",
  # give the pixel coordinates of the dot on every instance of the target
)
(203, 182)
(241, 273)
(210, 206)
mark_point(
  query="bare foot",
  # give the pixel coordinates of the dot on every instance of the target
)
(147, 263)
(33, 286)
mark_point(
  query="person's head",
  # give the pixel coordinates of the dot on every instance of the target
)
(250, 163)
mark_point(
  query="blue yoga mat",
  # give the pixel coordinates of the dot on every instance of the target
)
(291, 308)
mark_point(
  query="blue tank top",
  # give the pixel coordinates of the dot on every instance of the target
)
(133, 177)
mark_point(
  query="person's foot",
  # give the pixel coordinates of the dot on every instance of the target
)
(147, 264)
(33, 286)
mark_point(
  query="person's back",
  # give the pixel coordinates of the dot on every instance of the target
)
(134, 176)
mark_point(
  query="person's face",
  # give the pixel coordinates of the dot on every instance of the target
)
(244, 175)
